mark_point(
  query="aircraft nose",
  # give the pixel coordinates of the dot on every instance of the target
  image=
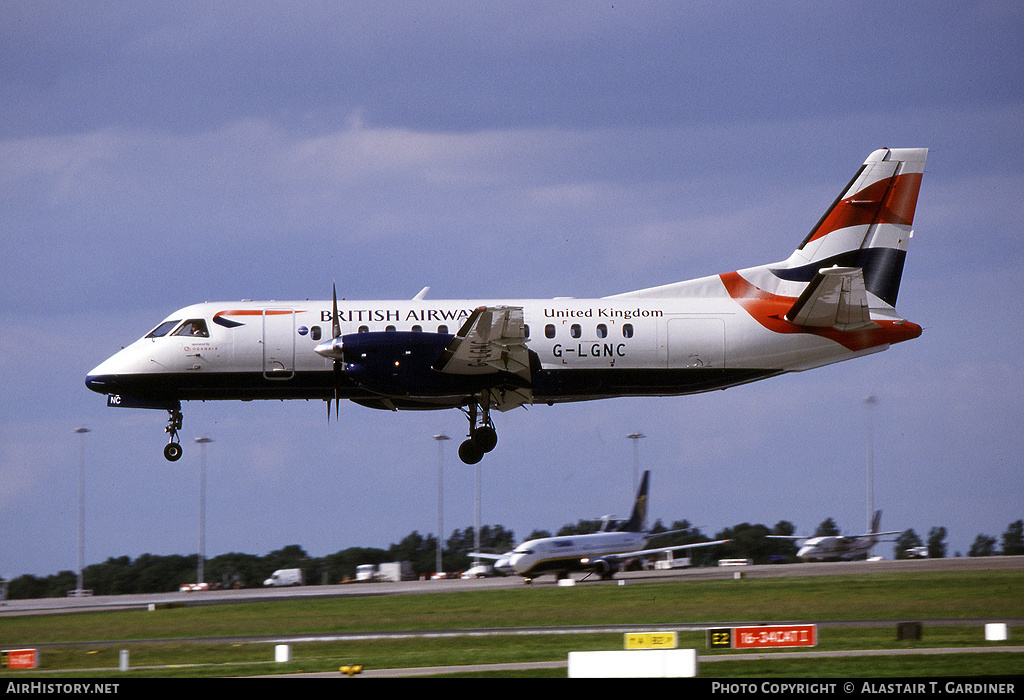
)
(109, 376)
(99, 383)
(107, 383)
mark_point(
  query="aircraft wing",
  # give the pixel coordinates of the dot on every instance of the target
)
(493, 341)
(658, 550)
(487, 555)
(869, 534)
(835, 298)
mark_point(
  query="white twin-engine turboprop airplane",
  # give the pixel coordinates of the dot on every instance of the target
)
(833, 299)
(839, 546)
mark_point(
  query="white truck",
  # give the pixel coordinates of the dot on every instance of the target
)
(388, 571)
(366, 572)
(285, 577)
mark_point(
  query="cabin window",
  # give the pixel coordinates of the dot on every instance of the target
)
(390, 329)
(364, 329)
(194, 327)
(549, 331)
(417, 329)
(163, 329)
(315, 333)
(442, 329)
(575, 331)
(526, 330)
(602, 330)
(627, 330)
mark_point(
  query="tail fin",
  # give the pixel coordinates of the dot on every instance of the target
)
(876, 522)
(638, 520)
(868, 226)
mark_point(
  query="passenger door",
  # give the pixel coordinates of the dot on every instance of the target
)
(278, 343)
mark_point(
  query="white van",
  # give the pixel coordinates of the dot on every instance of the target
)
(285, 577)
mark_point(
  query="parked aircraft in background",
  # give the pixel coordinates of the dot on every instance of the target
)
(502, 563)
(601, 552)
(832, 299)
(838, 546)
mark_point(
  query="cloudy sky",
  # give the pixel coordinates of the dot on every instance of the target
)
(155, 155)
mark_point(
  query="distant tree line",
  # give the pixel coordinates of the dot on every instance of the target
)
(151, 573)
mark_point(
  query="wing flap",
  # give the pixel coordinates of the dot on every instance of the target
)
(493, 339)
(506, 398)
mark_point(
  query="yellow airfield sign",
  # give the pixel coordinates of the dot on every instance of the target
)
(650, 640)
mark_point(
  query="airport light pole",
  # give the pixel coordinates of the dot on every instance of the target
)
(870, 402)
(636, 437)
(202, 442)
(440, 498)
(476, 513)
(81, 511)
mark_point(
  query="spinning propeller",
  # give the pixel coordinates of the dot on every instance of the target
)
(332, 350)
(336, 340)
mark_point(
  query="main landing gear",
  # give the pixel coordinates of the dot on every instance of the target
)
(482, 437)
(173, 449)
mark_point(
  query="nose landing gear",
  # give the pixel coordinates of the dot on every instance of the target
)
(172, 452)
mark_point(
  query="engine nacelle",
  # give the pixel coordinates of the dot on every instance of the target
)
(605, 568)
(399, 363)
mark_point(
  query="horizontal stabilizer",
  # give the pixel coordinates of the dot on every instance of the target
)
(835, 298)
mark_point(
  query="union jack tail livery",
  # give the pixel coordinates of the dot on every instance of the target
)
(841, 282)
(868, 226)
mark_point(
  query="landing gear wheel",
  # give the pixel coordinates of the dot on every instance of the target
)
(172, 452)
(470, 453)
(485, 438)
(482, 436)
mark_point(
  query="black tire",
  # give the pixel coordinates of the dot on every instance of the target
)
(470, 453)
(172, 452)
(485, 438)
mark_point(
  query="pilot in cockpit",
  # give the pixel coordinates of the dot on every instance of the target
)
(195, 328)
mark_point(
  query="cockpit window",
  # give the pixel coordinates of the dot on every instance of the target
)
(163, 329)
(195, 327)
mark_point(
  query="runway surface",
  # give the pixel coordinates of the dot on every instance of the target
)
(129, 602)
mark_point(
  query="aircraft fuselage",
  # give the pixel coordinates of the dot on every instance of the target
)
(561, 555)
(587, 349)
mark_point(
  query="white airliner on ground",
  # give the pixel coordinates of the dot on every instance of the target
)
(838, 546)
(600, 552)
(833, 299)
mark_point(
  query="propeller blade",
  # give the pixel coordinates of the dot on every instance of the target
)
(335, 321)
(336, 330)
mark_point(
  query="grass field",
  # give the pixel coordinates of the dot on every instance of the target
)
(208, 640)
